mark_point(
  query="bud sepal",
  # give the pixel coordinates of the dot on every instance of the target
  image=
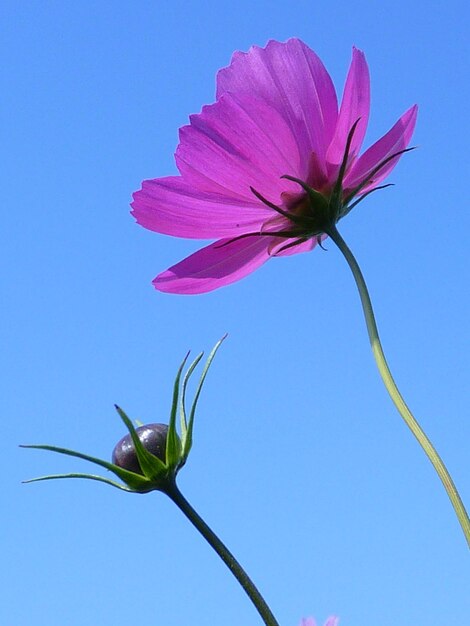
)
(157, 472)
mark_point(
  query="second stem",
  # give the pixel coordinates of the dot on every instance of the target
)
(227, 557)
(392, 388)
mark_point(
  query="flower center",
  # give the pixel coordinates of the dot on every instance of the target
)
(310, 213)
(301, 207)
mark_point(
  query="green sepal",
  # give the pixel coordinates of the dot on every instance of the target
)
(182, 403)
(173, 444)
(317, 199)
(157, 475)
(290, 216)
(189, 435)
(347, 208)
(375, 171)
(101, 479)
(153, 469)
(135, 481)
(335, 198)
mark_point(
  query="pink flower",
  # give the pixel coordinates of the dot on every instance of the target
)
(269, 167)
(309, 621)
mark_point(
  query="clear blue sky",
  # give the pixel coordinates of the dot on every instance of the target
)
(300, 463)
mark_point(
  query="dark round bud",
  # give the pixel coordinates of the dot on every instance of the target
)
(152, 437)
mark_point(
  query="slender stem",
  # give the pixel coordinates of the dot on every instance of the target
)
(392, 388)
(227, 557)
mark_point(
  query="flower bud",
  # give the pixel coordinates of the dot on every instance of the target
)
(153, 438)
(162, 452)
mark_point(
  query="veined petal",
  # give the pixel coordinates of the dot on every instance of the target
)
(291, 78)
(214, 266)
(276, 114)
(174, 207)
(397, 138)
(305, 246)
(237, 143)
(354, 105)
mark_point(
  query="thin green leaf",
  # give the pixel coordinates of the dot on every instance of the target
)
(349, 208)
(183, 421)
(375, 171)
(287, 214)
(113, 483)
(337, 189)
(79, 455)
(130, 478)
(210, 358)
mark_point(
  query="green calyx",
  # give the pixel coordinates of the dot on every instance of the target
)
(317, 214)
(157, 474)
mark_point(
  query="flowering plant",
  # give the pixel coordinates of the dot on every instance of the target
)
(268, 170)
(274, 128)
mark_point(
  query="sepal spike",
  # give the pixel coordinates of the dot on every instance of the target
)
(154, 462)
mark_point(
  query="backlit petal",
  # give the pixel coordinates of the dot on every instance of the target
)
(214, 266)
(305, 246)
(354, 105)
(236, 143)
(174, 207)
(292, 79)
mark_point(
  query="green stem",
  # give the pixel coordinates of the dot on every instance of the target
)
(392, 388)
(227, 557)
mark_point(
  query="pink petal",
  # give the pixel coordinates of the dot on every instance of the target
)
(291, 78)
(236, 143)
(332, 621)
(214, 266)
(306, 246)
(281, 246)
(397, 138)
(174, 207)
(309, 621)
(355, 105)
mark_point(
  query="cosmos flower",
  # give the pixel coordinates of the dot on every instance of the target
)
(268, 168)
(309, 621)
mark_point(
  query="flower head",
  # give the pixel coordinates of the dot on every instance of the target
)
(269, 167)
(150, 456)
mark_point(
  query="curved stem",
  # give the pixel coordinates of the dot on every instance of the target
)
(227, 557)
(392, 388)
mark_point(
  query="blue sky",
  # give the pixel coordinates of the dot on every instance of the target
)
(300, 461)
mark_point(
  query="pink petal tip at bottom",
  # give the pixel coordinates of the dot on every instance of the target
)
(214, 266)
